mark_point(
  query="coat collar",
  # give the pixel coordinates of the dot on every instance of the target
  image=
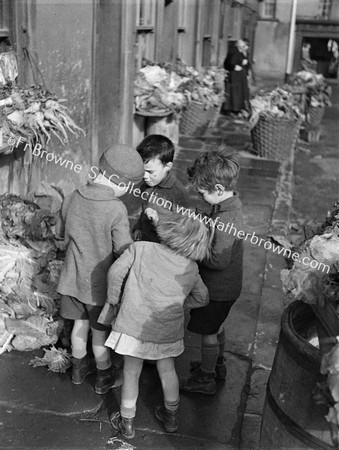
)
(229, 204)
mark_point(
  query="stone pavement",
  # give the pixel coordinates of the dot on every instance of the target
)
(40, 409)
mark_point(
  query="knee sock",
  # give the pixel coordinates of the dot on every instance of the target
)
(171, 406)
(127, 413)
(209, 356)
(221, 342)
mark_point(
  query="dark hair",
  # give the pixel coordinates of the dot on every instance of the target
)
(215, 167)
(156, 145)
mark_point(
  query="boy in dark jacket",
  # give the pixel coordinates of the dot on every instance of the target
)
(214, 175)
(160, 187)
(96, 230)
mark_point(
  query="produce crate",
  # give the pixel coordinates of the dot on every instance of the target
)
(274, 137)
(194, 119)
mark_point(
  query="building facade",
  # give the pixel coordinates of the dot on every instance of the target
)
(87, 51)
(316, 22)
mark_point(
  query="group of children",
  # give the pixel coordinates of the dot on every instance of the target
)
(132, 293)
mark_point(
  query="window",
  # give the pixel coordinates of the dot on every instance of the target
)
(145, 35)
(146, 14)
(325, 9)
(268, 8)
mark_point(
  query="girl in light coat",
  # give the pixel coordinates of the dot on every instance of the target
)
(154, 283)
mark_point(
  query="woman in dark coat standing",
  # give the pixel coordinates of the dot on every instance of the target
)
(238, 66)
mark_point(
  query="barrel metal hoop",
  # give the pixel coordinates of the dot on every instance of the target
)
(312, 366)
(295, 429)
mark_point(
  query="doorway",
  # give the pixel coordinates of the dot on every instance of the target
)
(325, 52)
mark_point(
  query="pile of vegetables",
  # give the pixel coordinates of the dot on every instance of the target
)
(278, 103)
(318, 91)
(158, 89)
(30, 264)
(205, 85)
(34, 114)
(314, 285)
(172, 87)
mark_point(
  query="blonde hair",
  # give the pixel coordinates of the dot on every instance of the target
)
(184, 234)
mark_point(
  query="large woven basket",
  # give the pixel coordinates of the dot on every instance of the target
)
(215, 112)
(275, 137)
(194, 119)
(314, 116)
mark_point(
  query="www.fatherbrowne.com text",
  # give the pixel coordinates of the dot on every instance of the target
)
(152, 197)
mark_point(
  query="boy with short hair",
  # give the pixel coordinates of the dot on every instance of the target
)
(214, 175)
(160, 186)
(96, 229)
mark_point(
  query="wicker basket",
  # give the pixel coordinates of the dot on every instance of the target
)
(314, 116)
(274, 137)
(194, 119)
(215, 112)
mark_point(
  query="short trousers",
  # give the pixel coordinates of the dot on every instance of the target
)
(128, 345)
(208, 319)
(71, 308)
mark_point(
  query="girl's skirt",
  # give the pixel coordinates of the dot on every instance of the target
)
(128, 345)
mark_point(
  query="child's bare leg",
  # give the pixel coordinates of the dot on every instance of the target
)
(123, 421)
(169, 379)
(102, 354)
(130, 385)
(167, 413)
(79, 338)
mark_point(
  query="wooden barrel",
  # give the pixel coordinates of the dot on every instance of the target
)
(167, 126)
(291, 418)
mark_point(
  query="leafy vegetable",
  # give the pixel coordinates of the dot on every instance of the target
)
(35, 114)
(278, 103)
(57, 360)
(165, 87)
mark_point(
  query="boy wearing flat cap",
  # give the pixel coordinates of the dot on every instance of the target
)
(96, 229)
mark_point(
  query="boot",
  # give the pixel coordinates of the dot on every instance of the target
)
(200, 382)
(220, 368)
(80, 369)
(168, 418)
(107, 379)
(123, 425)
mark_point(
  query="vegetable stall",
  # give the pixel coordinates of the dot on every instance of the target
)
(171, 98)
(31, 257)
